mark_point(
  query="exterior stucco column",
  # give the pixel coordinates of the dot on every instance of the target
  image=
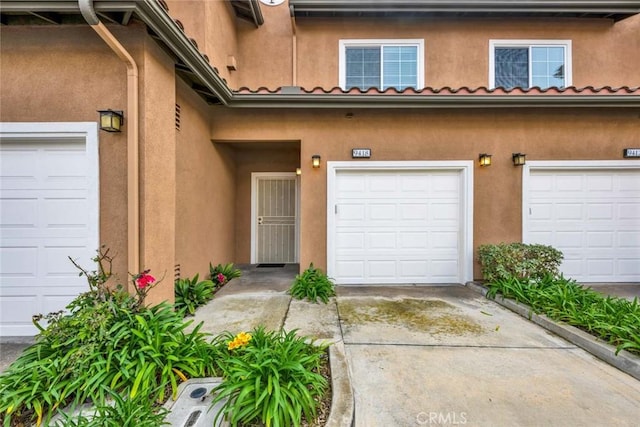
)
(158, 170)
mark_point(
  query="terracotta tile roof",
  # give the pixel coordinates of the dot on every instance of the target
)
(483, 90)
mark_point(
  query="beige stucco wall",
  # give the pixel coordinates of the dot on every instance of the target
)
(157, 168)
(456, 51)
(205, 196)
(436, 135)
(213, 25)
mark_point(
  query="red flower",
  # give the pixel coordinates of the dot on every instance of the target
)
(221, 278)
(144, 279)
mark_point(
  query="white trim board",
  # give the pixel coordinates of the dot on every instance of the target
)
(465, 167)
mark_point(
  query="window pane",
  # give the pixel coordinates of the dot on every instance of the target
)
(548, 66)
(363, 67)
(400, 66)
(511, 67)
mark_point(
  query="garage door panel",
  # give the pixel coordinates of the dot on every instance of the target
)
(381, 212)
(592, 216)
(406, 217)
(18, 212)
(18, 261)
(47, 205)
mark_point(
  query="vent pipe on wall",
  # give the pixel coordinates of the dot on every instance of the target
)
(133, 183)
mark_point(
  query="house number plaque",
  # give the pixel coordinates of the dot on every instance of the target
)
(361, 153)
(631, 152)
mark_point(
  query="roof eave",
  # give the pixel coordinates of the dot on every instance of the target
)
(610, 9)
(165, 27)
(432, 101)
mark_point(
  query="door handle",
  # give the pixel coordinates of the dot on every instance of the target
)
(260, 220)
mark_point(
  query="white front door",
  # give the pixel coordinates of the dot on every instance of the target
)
(274, 218)
(400, 225)
(591, 212)
(48, 212)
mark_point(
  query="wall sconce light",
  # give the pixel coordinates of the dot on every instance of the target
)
(315, 161)
(485, 159)
(519, 159)
(111, 121)
(298, 171)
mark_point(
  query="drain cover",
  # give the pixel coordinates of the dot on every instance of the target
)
(192, 407)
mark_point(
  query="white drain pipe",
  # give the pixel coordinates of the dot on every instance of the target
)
(133, 182)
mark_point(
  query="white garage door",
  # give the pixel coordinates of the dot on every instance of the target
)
(395, 226)
(48, 212)
(592, 216)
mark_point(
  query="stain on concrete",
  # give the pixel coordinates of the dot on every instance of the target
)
(433, 316)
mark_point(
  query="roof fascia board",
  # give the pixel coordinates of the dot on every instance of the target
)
(161, 23)
(432, 101)
(504, 6)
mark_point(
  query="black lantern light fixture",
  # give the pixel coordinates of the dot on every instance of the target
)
(485, 159)
(315, 161)
(519, 159)
(111, 120)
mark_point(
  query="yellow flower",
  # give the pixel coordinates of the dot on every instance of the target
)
(239, 340)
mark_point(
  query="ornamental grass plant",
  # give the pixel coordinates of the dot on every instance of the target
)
(614, 320)
(271, 378)
(313, 284)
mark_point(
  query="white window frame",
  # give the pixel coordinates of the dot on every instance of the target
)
(343, 44)
(494, 43)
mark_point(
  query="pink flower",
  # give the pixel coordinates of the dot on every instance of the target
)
(144, 279)
(220, 277)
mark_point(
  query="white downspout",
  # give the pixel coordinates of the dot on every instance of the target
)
(133, 183)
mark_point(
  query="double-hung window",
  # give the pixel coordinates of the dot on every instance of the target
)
(381, 64)
(529, 63)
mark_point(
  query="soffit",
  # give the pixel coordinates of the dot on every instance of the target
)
(615, 10)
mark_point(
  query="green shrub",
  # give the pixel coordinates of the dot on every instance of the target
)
(221, 274)
(269, 377)
(615, 320)
(192, 293)
(109, 340)
(518, 260)
(312, 284)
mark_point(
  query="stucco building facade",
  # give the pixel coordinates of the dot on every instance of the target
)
(233, 97)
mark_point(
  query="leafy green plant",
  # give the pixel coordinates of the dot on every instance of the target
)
(221, 274)
(138, 412)
(108, 338)
(615, 320)
(312, 284)
(518, 260)
(269, 377)
(192, 293)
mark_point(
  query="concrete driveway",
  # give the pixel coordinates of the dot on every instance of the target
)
(446, 356)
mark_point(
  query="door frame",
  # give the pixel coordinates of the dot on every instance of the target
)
(464, 167)
(254, 210)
